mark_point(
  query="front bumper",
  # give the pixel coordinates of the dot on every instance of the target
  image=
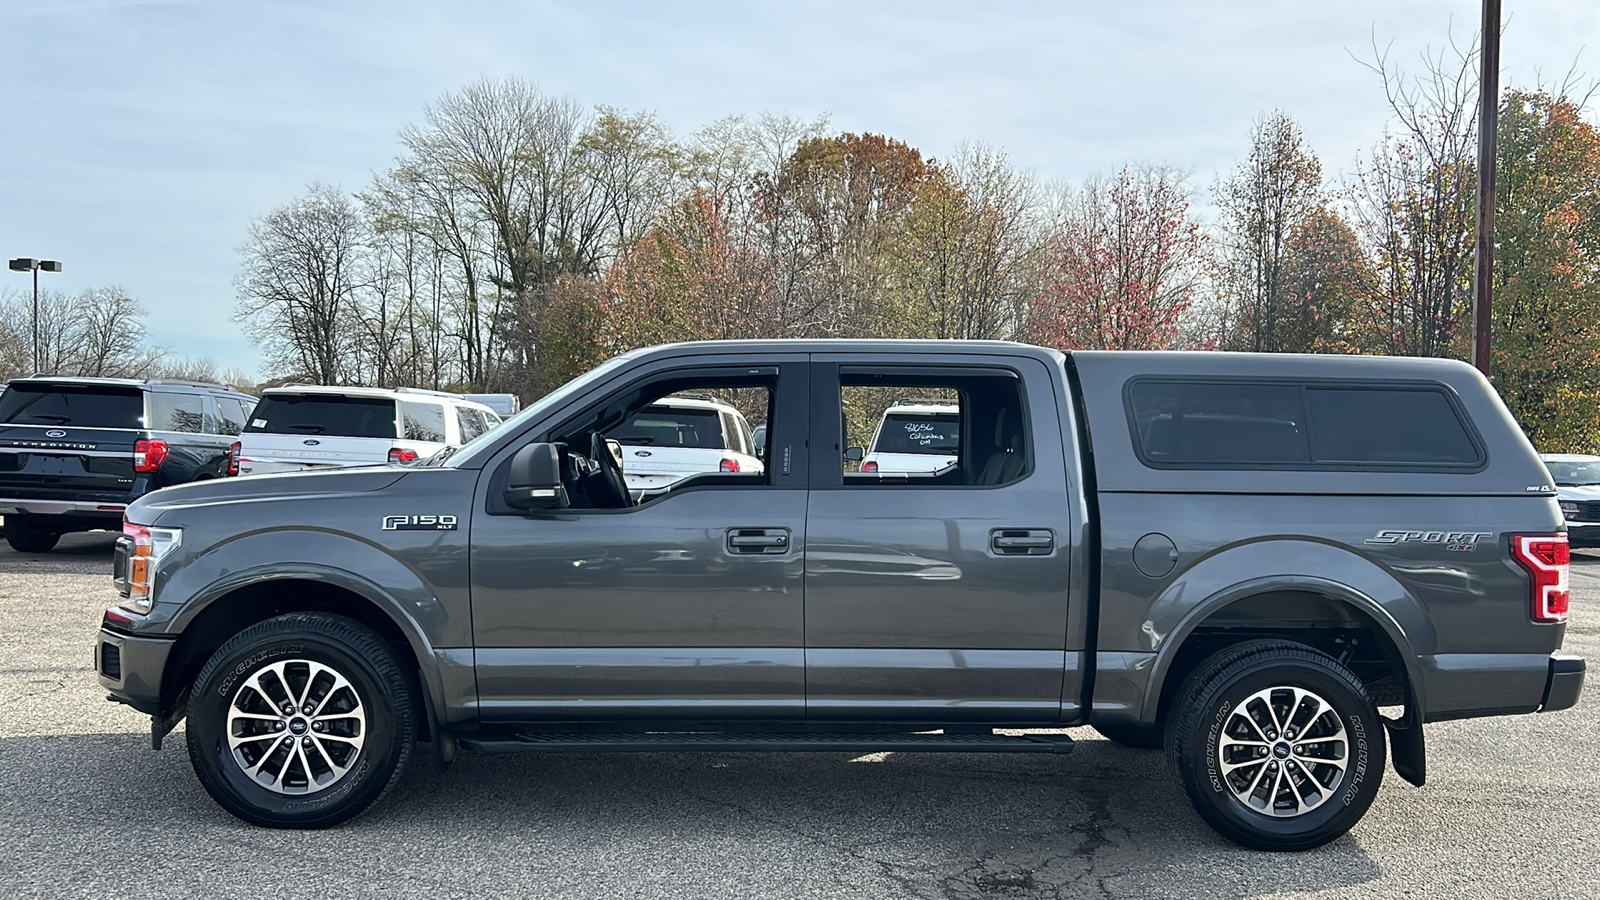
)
(1583, 534)
(1564, 684)
(130, 667)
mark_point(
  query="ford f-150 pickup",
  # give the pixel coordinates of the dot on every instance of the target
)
(1278, 568)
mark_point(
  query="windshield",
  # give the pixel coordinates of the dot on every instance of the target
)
(330, 414)
(933, 434)
(84, 406)
(1574, 474)
(668, 426)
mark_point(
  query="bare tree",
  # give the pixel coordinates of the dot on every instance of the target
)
(1412, 202)
(303, 267)
(111, 333)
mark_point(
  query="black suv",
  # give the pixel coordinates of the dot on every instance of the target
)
(74, 452)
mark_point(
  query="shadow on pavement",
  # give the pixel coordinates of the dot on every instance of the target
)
(1105, 821)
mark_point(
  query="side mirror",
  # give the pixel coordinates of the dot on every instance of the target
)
(758, 437)
(854, 454)
(533, 481)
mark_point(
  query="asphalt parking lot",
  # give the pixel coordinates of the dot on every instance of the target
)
(87, 810)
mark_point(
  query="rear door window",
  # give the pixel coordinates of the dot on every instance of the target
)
(87, 406)
(176, 412)
(231, 413)
(331, 414)
(423, 421)
(470, 422)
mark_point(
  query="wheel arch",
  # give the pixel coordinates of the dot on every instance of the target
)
(238, 603)
(1302, 590)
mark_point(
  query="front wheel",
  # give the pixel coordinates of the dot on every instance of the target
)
(301, 721)
(1277, 746)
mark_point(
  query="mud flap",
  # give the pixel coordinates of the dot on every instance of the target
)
(1406, 750)
(444, 742)
(161, 724)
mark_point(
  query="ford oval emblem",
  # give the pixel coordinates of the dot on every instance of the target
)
(312, 442)
(55, 432)
(641, 453)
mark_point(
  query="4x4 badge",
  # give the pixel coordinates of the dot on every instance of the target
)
(419, 523)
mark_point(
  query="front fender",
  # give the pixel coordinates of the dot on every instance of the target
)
(1244, 570)
(395, 587)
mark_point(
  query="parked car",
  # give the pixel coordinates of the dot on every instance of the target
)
(504, 405)
(74, 452)
(914, 436)
(303, 427)
(1577, 478)
(1240, 557)
(679, 436)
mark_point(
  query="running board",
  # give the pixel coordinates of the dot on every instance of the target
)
(721, 742)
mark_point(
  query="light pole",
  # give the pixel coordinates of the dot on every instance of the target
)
(24, 264)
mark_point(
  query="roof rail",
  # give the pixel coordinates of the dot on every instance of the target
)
(187, 382)
(413, 390)
(927, 401)
(693, 395)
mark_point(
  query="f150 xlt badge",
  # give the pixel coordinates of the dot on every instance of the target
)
(419, 523)
(1460, 541)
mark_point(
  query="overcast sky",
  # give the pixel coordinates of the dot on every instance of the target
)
(141, 138)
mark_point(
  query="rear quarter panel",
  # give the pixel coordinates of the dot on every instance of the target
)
(1457, 612)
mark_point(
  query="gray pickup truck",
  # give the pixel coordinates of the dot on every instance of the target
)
(1279, 568)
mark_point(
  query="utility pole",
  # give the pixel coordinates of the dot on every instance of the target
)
(1488, 128)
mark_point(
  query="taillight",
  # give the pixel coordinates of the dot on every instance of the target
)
(729, 465)
(233, 458)
(402, 455)
(149, 455)
(869, 466)
(1546, 558)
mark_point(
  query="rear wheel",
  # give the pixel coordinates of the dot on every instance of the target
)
(1277, 746)
(301, 721)
(27, 536)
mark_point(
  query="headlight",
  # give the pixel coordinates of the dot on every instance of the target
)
(1569, 509)
(150, 546)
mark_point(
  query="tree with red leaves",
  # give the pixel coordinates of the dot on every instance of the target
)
(1127, 254)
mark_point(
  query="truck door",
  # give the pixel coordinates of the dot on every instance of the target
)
(684, 603)
(939, 596)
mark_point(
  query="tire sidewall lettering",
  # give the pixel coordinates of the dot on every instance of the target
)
(1359, 732)
(253, 662)
(1213, 738)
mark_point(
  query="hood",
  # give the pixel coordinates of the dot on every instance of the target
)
(1579, 492)
(317, 483)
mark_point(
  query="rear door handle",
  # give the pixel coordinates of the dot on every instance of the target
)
(1022, 541)
(758, 540)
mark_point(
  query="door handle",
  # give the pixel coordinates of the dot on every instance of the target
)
(758, 540)
(1022, 541)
